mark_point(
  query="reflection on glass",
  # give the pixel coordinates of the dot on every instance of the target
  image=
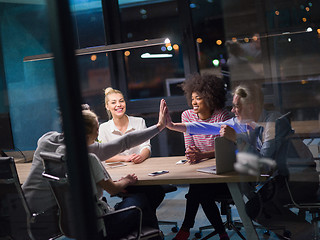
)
(88, 23)
(271, 43)
(94, 76)
(32, 99)
(149, 69)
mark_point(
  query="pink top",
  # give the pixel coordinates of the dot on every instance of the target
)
(205, 143)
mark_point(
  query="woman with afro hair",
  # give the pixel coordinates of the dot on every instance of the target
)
(206, 95)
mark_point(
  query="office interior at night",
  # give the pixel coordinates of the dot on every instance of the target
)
(56, 55)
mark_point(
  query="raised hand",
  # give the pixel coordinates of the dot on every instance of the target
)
(169, 121)
(162, 114)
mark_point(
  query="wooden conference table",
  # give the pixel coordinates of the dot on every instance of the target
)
(178, 174)
(188, 174)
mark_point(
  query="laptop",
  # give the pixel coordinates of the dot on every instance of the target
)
(225, 157)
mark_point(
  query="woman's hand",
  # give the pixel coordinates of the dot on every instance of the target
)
(193, 154)
(126, 158)
(178, 127)
(130, 179)
(228, 132)
(169, 121)
(136, 158)
(162, 115)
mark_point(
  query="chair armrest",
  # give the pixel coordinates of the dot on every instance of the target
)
(131, 208)
(54, 178)
(122, 210)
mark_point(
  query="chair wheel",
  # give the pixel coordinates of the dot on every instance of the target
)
(175, 229)
(287, 234)
(198, 234)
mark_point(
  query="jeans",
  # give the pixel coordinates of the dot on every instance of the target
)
(205, 194)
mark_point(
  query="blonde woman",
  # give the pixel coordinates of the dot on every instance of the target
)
(120, 124)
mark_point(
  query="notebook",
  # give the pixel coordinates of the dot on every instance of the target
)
(225, 157)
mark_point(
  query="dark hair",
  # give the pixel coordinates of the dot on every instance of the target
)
(211, 88)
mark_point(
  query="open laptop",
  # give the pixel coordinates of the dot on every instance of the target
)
(225, 151)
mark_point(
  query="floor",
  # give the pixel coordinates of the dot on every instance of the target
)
(172, 209)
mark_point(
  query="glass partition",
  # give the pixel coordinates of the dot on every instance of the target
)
(274, 44)
(31, 90)
(150, 70)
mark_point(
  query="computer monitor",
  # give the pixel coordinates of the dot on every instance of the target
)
(6, 138)
(173, 86)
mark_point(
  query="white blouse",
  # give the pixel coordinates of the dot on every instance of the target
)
(108, 132)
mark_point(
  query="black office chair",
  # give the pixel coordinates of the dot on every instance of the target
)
(292, 157)
(312, 207)
(16, 219)
(229, 224)
(168, 188)
(287, 144)
(56, 173)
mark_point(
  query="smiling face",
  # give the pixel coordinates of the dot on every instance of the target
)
(199, 106)
(241, 111)
(116, 105)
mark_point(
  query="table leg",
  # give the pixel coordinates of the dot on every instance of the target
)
(246, 221)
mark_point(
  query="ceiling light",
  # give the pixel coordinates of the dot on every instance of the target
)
(158, 55)
(105, 48)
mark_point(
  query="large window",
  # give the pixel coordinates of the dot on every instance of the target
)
(32, 98)
(272, 43)
(150, 69)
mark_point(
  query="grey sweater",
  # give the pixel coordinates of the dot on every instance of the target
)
(36, 189)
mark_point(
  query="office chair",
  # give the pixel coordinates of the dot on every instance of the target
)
(15, 214)
(312, 207)
(229, 223)
(168, 188)
(56, 174)
(16, 219)
(285, 147)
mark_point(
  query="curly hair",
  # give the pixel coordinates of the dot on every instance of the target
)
(211, 88)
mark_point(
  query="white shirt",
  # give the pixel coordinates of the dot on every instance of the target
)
(108, 132)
